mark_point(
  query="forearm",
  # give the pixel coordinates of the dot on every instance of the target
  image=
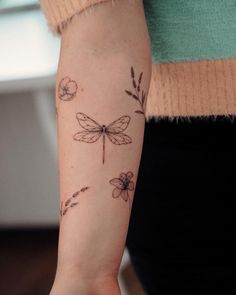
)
(98, 63)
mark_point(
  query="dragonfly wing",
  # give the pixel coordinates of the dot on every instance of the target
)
(118, 125)
(87, 136)
(119, 138)
(88, 123)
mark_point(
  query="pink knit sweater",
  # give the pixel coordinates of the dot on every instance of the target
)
(195, 88)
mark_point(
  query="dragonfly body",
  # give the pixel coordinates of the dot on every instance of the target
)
(93, 131)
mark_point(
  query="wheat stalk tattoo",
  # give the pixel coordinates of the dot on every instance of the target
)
(93, 131)
(71, 202)
(136, 95)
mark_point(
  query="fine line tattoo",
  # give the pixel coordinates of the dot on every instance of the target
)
(123, 184)
(67, 89)
(136, 95)
(72, 201)
(93, 131)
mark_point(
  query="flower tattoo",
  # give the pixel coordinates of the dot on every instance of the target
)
(136, 95)
(67, 89)
(123, 185)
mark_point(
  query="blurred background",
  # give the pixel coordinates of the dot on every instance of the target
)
(29, 179)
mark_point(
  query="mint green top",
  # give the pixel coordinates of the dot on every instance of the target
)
(182, 30)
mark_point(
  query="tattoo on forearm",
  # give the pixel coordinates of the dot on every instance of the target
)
(72, 201)
(93, 131)
(136, 95)
(67, 89)
(123, 184)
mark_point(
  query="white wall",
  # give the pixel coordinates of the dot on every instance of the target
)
(29, 179)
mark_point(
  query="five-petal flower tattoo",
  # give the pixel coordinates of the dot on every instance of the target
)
(67, 89)
(123, 184)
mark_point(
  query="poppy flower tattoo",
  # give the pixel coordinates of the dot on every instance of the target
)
(123, 185)
(67, 89)
(136, 95)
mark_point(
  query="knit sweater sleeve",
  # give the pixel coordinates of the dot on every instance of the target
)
(59, 12)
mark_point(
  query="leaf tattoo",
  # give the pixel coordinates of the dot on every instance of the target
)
(71, 202)
(93, 131)
(136, 95)
(67, 89)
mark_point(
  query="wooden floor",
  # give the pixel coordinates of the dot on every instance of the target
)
(28, 263)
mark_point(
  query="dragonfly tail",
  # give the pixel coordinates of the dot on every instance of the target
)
(103, 148)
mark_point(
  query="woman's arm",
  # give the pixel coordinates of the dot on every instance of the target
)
(102, 85)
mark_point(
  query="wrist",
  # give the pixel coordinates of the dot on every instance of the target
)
(72, 283)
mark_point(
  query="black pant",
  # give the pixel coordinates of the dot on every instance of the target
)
(181, 228)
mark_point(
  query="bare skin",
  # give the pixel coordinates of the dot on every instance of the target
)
(97, 53)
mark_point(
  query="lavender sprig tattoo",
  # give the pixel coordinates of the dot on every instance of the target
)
(136, 95)
(71, 202)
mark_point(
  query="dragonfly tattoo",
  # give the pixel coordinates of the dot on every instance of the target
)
(93, 131)
(67, 89)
